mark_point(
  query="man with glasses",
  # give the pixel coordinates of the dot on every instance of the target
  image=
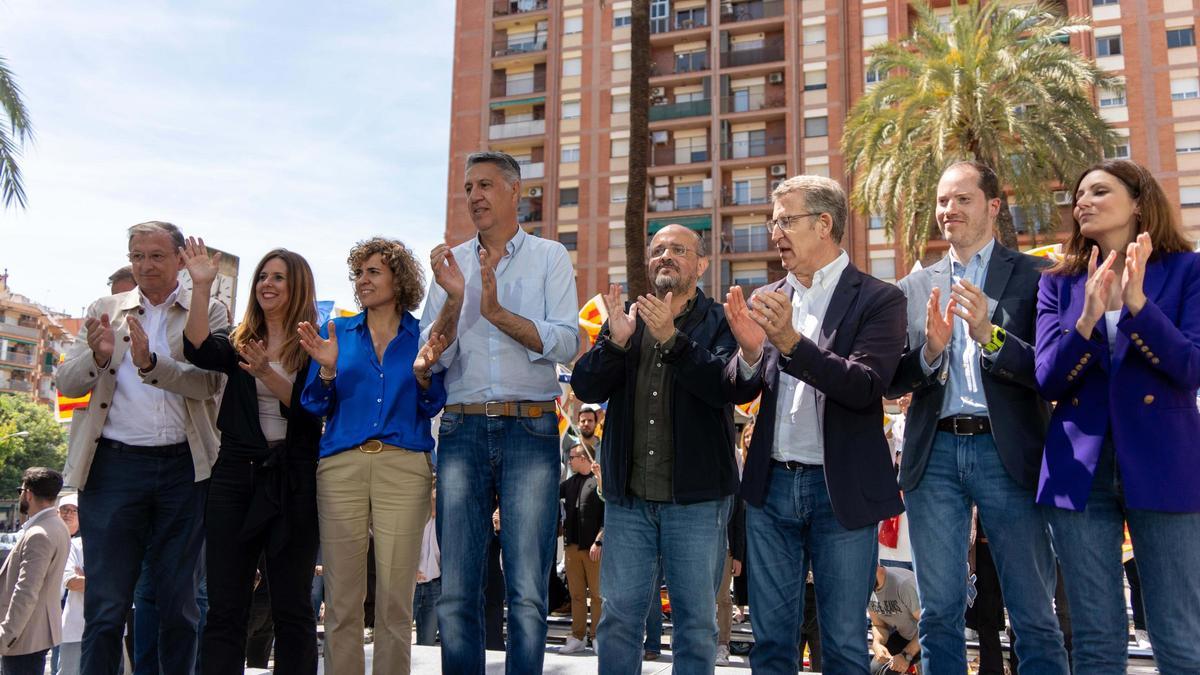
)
(583, 539)
(820, 345)
(667, 457)
(142, 452)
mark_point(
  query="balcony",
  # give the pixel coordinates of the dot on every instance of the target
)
(750, 11)
(502, 48)
(20, 331)
(667, 25)
(751, 100)
(510, 7)
(16, 385)
(683, 201)
(754, 147)
(529, 210)
(533, 170)
(672, 111)
(498, 132)
(670, 155)
(754, 239)
(691, 62)
(17, 358)
(746, 195)
(517, 86)
(768, 53)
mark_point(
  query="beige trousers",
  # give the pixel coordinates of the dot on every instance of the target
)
(387, 494)
(583, 580)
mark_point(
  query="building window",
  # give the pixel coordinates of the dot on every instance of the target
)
(622, 60)
(1111, 98)
(1187, 141)
(620, 103)
(572, 24)
(874, 76)
(883, 268)
(816, 126)
(1185, 88)
(618, 192)
(875, 222)
(619, 147)
(616, 237)
(1189, 197)
(569, 239)
(570, 153)
(1117, 152)
(623, 18)
(570, 110)
(1109, 45)
(750, 238)
(814, 80)
(1181, 37)
(572, 67)
(689, 196)
(1101, 3)
(814, 35)
(568, 196)
(750, 279)
(875, 25)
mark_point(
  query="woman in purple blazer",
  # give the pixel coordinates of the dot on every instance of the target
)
(1118, 349)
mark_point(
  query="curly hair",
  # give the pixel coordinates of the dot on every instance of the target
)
(408, 279)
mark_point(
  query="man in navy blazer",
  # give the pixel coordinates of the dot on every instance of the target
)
(975, 428)
(820, 346)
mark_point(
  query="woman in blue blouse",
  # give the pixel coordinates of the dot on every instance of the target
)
(370, 378)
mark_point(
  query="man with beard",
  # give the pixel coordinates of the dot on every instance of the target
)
(588, 423)
(31, 578)
(668, 466)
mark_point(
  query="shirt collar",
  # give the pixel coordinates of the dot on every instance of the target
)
(37, 516)
(360, 321)
(510, 248)
(175, 296)
(983, 255)
(825, 277)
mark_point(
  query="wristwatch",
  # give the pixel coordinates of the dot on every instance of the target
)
(997, 340)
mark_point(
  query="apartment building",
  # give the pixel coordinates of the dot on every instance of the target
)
(745, 93)
(32, 342)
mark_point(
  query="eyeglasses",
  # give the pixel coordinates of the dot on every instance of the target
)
(68, 510)
(137, 257)
(785, 223)
(677, 250)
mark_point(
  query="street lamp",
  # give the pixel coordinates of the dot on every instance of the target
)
(17, 434)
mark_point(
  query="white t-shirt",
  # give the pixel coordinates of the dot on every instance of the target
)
(72, 615)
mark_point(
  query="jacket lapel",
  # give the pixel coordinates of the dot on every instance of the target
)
(839, 304)
(999, 270)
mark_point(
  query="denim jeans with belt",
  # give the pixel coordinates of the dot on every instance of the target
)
(425, 599)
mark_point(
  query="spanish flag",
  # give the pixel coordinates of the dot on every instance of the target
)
(68, 405)
(592, 317)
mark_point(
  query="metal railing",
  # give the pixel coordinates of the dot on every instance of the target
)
(691, 62)
(507, 7)
(503, 48)
(772, 51)
(751, 100)
(529, 84)
(533, 170)
(668, 25)
(20, 358)
(668, 155)
(671, 111)
(749, 11)
(753, 147)
(31, 332)
(517, 129)
(15, 385)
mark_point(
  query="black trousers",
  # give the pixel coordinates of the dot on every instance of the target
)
(232, 562)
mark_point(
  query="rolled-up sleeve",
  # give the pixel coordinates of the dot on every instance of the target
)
(433, 307)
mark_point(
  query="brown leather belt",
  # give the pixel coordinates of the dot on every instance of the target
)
(965, 425)
(504, 408)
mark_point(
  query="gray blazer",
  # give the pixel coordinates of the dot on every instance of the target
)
(1019, 415)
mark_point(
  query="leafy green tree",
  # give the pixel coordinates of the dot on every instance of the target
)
(13, 136)
(44, 444)
(1000, 84)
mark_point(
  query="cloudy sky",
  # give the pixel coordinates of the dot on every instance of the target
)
(303, 124)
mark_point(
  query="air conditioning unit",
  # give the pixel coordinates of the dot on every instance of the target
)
(779, 169)
(657, 92)
(775, 78)
(535, 192)
(659, 137)
(1062, 198)
(776, 183)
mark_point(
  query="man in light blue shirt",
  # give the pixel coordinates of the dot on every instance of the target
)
(506, 302)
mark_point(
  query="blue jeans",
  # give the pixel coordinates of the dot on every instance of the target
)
(962, 470)
(425, 599)
(1167, 546)
(689, 542)
(794, 528)
(482, 459)
(139, 505)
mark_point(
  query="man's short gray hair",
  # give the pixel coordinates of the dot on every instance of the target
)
(123, 274)
(502, 160)
(158, 227)
(821, 195)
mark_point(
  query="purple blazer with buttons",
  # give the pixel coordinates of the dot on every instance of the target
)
(1144, 394)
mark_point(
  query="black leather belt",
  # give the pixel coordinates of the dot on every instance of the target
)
(791, 465)
(173, 450)
(965, 425)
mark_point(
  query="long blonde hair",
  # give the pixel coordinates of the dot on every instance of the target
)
(302, 306)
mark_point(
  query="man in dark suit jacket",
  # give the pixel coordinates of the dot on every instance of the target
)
(975, 429)
(820, 346)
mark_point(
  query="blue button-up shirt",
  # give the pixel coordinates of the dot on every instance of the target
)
(534, 280)
(964, 390)
(372, 400)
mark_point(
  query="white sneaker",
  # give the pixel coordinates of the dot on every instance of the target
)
(572, 646)
(1142, 638)
(722, 655)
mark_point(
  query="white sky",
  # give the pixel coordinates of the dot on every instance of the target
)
(303, 124)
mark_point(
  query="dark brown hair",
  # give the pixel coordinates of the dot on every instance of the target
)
(44, 483)
(408, 279)
(302, 306)
(1155, 216)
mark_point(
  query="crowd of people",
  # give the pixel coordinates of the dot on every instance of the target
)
(1047, 407)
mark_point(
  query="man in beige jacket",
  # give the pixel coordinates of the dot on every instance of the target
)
(30, 599)
(144, 448)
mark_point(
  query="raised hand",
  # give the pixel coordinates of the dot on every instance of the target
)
(489, 302)
(971, 304)
(201, 267)
(660, 321)
(1137, 254)
(621, 324)
(446, 271)
(257, 361)
(101, 339)
(749, 335)
(1096, 292)
(938, 327)
(772, 310)
(427, 356)
(324, 352)
(139, 344)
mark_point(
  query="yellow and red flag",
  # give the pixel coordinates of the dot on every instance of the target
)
(592, 316)
(68, 405)
(1051, 251)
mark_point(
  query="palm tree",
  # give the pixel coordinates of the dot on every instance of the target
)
(639, 142)
(18, 133)
(999, 84)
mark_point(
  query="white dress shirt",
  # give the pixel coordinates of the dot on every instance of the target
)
(72, 615)
(147, 415)
(431, 556)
